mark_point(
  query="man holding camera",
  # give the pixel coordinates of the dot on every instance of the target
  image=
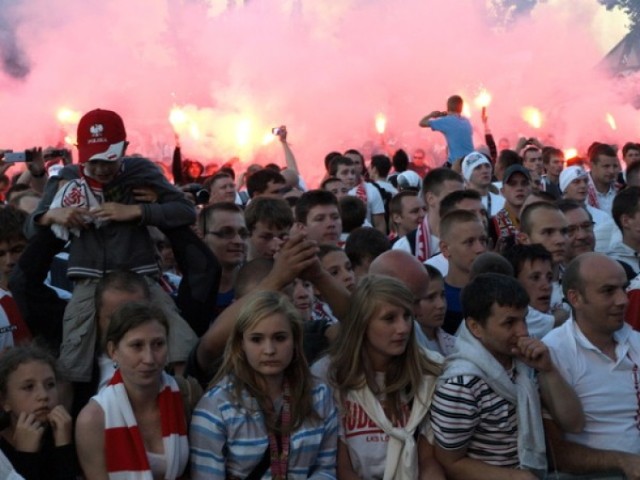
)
(102, 207)
(456, 128)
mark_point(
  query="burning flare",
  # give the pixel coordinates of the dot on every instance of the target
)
(532, 116)
(67, 116)
(243, 132)
(611, 121)
(483, 99)
(570, 153)
(381, 123)
(177, 118)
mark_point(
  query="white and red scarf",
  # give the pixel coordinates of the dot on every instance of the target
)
(125, 455)
(423, 240)
(361, 191)
(83, 192)
(592, 193)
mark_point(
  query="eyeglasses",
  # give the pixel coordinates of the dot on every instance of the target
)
(229, 233)
(586, 227)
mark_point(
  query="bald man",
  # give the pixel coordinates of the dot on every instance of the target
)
(598, 355)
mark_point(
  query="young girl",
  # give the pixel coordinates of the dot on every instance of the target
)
(383, 383)
(433, 309)
(336, 262)
(37, 438)
(263, 412)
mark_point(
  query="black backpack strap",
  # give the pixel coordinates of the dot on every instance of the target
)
(261, 468)
(411, 237)
(631, 274)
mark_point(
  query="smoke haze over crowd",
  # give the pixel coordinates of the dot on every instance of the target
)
(324, 69)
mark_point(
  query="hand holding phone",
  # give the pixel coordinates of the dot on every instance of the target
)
(14, 157)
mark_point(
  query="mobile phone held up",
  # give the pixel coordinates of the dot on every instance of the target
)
(14, 157)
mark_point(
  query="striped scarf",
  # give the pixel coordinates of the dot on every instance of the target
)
(504, 225)
(592, 195)
(361, 192)
(125, 454)
(423, 240)
(94, 185)
(279, 444)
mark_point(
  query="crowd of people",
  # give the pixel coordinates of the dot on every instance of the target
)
(403, 320)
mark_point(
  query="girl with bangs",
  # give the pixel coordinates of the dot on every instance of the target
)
(383, 383)
(264, 417)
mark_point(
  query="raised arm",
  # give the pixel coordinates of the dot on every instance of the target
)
(424, 123)
(289, 157)
(295, 256)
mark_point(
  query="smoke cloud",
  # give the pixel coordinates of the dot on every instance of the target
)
(324, 69)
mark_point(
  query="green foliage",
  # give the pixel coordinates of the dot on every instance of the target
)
(630, 7)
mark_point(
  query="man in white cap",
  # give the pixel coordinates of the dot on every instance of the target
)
(476, 170)
(574, 185)
(103, 208)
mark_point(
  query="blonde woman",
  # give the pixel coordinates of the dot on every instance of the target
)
(264, 417)
(383, 383)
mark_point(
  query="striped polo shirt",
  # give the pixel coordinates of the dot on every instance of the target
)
(466, 412)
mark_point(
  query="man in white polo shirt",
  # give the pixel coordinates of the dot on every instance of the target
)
(598, 354)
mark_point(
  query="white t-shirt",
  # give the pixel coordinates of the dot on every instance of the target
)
(366, 442)
(603, 229)
(539, 323)
(440, 262)
(403, 244)
(497, 203)
(605, 387)
(6, 327)
(375, 205)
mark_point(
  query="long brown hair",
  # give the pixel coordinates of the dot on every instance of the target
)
(350, 366)
(260, 306)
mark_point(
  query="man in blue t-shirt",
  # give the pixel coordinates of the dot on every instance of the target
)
(456, 128)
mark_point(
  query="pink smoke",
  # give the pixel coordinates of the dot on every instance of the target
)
(323, 70)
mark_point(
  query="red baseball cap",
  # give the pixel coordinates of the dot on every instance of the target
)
(101, 136)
